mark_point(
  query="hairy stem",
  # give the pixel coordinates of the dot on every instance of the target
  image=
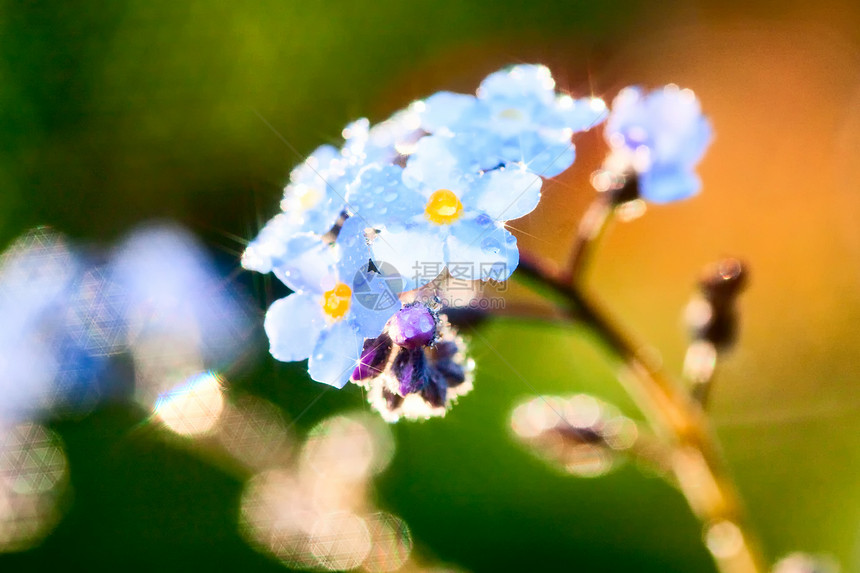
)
(696, 461)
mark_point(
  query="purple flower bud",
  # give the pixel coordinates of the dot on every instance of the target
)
(413, 326)
(410, 370)
(453, 373)
(445, 349)
(373, 357)
(435, 392)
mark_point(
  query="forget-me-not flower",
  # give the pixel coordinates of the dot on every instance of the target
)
(433, 216)
(338, 302)
(383, 143)
(517, 116)
(315, 196)
(312, 203)
(661, 136)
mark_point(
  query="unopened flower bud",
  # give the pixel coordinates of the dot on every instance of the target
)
(413, 326)
(416, 368)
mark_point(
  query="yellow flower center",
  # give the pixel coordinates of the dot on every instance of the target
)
(308, 197)
(301, 198)
(511, 113)
(336, 302)
(443, 207)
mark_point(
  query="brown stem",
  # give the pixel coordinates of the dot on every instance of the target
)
(696, 461)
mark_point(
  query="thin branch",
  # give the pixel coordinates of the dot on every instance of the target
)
(696, 461)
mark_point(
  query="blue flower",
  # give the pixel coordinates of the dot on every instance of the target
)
(516, 117)
(315, 196)
(338, 302)
(432, 216)
(661, 136)
(312, 203)
(383, 143)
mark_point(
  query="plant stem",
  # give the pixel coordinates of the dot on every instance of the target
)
(592, 226)
(696, 461)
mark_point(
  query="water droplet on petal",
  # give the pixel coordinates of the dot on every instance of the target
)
(490, 245)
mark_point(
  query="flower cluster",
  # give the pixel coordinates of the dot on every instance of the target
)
(423, 195)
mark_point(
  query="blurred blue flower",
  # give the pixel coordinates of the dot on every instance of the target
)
(37, 276)
(516, 117)
(661, 136)
(432, 216)
(173, 291)
(339, 300)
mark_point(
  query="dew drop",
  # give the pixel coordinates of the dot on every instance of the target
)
(483, 219)
(490, 245)
(510, 239)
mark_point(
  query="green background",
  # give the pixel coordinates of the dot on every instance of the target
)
(114, 113)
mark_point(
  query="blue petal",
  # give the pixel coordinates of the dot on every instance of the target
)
(380, 198)
(444, 110)
(575, 114)
(352, 248)
(307, 264)
(485, 245)
(394, 136)
(669, 122)
(436, 164)
(375, 289)
(546, 156)
(316, 193)
(374, 299)
(522, 82)
(336, 354)
(269, 247)
(416, 253)
(505, 194)
(293, 325)
(660, 186)
(627, 111)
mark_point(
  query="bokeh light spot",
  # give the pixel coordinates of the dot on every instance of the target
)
(194, 407)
